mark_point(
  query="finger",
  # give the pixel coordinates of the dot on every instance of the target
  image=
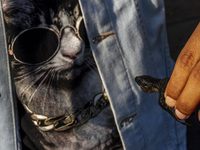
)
(190, 96)
(170, 101)
(186, 60)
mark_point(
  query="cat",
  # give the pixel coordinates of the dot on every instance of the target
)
(64, 83)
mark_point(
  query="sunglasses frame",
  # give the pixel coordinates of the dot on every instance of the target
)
(58, 34)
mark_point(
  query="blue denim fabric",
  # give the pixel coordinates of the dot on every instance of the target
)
(136, 44)
(137, 47)
(9, 137)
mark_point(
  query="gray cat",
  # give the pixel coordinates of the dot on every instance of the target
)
(58, 79)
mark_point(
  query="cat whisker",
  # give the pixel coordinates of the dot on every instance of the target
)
(91, 62)
(31, 84)
(39, 77)
(45, 77)
(25, 75)
(52, 75)
(57, 75)
(91, 65)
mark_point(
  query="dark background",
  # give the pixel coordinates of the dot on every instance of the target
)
(182, 16)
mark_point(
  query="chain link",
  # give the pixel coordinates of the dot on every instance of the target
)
(65, 122)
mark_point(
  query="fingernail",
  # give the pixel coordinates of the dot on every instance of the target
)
(170, 101)
(180, 115)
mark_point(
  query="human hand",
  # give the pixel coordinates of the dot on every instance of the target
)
(183, 89)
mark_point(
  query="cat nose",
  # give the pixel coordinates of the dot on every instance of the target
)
(71, 55)
(71, 45)
(72, 51)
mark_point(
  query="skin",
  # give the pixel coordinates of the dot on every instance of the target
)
(183, 92)
(149, 85)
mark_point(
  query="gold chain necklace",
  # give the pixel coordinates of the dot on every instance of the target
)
(65, 122)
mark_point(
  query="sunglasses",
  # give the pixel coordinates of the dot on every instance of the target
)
(38, 45)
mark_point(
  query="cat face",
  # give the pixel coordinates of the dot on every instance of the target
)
(70, 71)
(72, 53)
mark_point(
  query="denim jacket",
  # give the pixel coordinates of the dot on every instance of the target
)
(128, 38)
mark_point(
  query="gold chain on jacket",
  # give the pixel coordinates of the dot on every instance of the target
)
(65, 122)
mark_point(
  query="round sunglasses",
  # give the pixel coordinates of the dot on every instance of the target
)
(38, 45)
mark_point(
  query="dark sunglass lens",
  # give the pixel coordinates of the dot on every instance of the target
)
(35, 45)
